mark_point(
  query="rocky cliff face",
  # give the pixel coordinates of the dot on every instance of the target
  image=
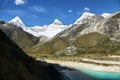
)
(84, 25)
(16, 65)
(111, 26)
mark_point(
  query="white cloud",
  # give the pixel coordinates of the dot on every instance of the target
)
(86, 9)
(19, 2)
(38, 9)
(70, 11)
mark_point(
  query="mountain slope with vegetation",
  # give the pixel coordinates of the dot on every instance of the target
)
(17, 35)
(97, 43)
(49, 47)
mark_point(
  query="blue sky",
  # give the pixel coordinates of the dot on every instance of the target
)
(40, 12)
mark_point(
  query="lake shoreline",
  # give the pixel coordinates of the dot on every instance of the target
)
(74, 65)
(69, 73)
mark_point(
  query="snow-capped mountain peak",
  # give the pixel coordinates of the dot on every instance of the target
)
(105, 15)
(85, 15)
(47, 30)
(17, 21)
(57, 22)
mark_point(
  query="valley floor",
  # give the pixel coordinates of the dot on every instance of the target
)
(97, 65)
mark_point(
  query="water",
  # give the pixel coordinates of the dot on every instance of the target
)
(100, 75)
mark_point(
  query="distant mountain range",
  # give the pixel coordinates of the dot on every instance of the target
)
(90, 33)
(52, 29)
(46, 30)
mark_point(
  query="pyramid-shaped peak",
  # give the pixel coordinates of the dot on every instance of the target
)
(17, 21)
(17, 17)
(57, 22)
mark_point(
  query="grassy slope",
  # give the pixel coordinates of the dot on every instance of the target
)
(97, 43)
(89, 43)
(49, 47)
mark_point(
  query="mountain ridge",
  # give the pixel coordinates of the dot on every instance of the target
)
(55, 27)
(38, 31)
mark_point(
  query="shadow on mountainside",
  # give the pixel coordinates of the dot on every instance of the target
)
(16, 65)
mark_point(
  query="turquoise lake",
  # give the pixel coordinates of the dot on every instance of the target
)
(100, 75)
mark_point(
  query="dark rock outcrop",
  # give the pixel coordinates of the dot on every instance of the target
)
(16, 65)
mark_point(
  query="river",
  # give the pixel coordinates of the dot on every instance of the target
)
(87, 74)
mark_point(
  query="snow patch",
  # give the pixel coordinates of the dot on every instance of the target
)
(85, 15)
(47, 30)
(105, 15)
